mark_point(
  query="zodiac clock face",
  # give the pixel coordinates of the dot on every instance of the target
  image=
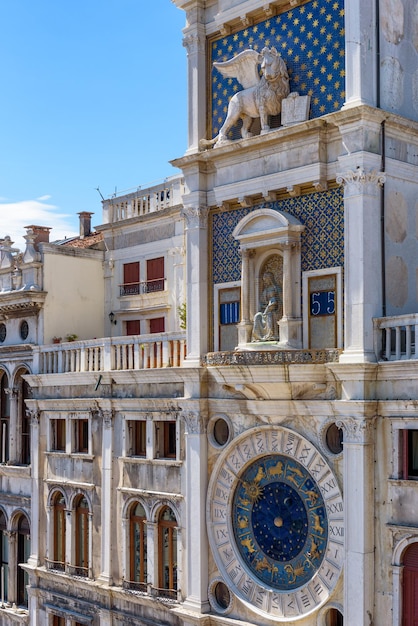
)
(275, 520)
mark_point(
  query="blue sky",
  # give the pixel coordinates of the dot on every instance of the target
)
(93, 95)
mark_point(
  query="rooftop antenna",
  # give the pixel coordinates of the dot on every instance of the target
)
(101, 195)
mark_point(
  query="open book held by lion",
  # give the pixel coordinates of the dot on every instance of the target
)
(261, 96)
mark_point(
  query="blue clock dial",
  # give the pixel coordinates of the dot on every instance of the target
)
(280, 522)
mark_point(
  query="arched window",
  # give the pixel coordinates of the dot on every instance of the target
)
(23, 421)
(4, 420)
(59, 531)
(410, 586)
(23, 554)
(167, 550)
(138, 545)
(82, 536)
(4, 556)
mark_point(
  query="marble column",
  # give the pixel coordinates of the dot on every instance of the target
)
(362, 261)
(36, 495)
(11, 442)
(195, 43)
(359, 519)
(360, 53)
(196, 487)
(245, 325)
(197, 282)
(106, 502)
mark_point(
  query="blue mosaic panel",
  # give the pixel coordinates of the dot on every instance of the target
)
(311, 40)
(322, 242)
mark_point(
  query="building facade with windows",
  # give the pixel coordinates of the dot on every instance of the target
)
(259, 465)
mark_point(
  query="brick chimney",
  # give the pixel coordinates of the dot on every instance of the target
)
(85, 224)
(41, 234)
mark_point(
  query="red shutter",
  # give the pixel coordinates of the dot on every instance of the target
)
(130, 273)
(133, 327)
(157, 325)
(155, 268)
(155, 274)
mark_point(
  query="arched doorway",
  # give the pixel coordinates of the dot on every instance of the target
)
(410, 586)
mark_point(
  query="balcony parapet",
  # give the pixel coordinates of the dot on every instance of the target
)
(134, 352)
(394, 337)
(272, 357)
(144, 200)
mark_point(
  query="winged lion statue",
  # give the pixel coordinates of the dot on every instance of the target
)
(260, 97)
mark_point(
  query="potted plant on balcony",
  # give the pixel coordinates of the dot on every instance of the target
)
(71, 337)
(56, 339)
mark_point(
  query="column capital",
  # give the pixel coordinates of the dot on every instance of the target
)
(194, 43)
(195, 423)
(11, 391)
(106, 415)
(195, 216)
(34, 416)
(358, 180)
(357, 430)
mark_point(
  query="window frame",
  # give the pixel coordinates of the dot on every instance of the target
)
(82, 536)
(137, 576)
(168, 529)
(166, 439)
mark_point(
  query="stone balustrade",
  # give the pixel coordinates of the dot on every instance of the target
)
(111, 353)
(143, 201)
(394, 337)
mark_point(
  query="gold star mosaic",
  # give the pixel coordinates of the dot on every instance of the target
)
(311, 40)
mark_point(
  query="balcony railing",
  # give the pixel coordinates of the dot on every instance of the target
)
(144, 201)
(394, 337)
(148, 286)
(134, 352)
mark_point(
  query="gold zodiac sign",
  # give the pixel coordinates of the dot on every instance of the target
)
(294, 471)
(277, 470)
(312, 496)
(260, 475)
(313, 552)
(244, 502)
(263, 564)
(242, 521)
(294, 572)
(248, 543)
(317, 524)
(253, 489)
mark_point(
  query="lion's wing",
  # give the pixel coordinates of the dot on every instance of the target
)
(243, 67)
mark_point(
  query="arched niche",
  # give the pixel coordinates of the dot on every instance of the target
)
(268, 237)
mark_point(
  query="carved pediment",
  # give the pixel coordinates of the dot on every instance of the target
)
(265, 227)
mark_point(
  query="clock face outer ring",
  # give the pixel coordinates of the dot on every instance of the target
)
(275, 522)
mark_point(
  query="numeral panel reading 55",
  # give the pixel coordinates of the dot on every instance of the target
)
(322, 303)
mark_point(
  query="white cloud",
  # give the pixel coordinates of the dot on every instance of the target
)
(14, 216)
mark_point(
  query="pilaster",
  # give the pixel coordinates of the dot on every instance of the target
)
(359, 520)
(360, 53)
(11, 443)
(106, 503)
(195, 43)
(197, 282)
(196, 485)
(363, 259)
(36, 487)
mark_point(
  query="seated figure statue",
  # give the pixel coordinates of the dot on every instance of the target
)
(265, 327)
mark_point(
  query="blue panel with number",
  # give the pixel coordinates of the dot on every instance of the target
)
(322, 303)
